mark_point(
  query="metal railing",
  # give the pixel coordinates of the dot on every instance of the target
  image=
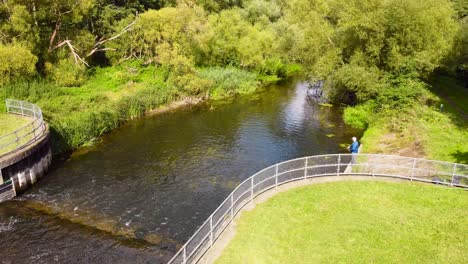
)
(339, 165)
(28, 133)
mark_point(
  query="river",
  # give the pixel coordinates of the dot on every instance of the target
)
(142, 190)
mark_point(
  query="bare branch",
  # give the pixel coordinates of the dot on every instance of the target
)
(58, 23)
(76, 57)
(331, 42)
(103, 40)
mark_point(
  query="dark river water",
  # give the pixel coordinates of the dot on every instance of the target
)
(141, 193)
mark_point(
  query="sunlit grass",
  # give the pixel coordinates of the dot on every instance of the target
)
(427, 132)
(355, 222)
(8, 124)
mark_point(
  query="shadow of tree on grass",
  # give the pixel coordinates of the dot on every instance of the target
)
(460, 157)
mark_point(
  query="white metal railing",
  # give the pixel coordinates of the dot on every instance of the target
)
(27, 134)
(339, 165)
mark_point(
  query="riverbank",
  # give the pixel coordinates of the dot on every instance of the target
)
(423, 129)
(78, 116)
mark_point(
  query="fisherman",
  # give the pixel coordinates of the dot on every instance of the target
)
(354, 148)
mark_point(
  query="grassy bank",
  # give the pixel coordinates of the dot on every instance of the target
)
(354, 222)
(422, 129)
(113, 95)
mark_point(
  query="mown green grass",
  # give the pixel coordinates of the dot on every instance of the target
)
(11, 122)
(355, 222)
(8, 124)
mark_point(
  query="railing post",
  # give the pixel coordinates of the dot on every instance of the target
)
(338, 165)
(33, 130)
(453, 173)
(211, 231)
(251, 188)
(305, 168)
(412, 169)
(276, 176)
(21, 105)
(17, 138)
(185, 255)
(232, 207)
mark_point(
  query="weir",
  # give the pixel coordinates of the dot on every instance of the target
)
(25, 154)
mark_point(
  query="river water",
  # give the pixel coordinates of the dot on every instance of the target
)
(142, 191)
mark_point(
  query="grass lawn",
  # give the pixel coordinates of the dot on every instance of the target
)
(355, 222)
(9, 123)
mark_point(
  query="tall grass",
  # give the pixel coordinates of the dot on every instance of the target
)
(229, 81)
(113, 95)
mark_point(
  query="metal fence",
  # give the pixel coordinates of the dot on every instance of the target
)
(339, 165)
(28, 133)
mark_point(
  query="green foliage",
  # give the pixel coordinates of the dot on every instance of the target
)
(166, 36)
(68, 73)
(374, 54)
(461, 7)
(258, 10)
(359, 116)
(16, 62)
(360, 47)
(229, 81)
(353, 83)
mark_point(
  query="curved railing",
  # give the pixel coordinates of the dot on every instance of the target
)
(27, 134)
(339, 165)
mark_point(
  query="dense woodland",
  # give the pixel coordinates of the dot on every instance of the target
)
(379, 57)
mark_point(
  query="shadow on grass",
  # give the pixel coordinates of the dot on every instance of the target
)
(460, 157)
(453, 94)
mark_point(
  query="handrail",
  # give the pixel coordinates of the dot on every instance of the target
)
(28, 133)
(339, 165)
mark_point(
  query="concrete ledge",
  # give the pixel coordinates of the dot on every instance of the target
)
(25, 151)
(23, 168)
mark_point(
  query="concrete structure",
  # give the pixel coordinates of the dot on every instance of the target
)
(28, 162)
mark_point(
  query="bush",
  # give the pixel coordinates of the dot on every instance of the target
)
(16, 62)
(359, 116)
(67, 73)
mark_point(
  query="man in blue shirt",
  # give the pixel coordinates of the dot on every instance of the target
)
(354, 148)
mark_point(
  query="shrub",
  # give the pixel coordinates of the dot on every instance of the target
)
(67, 73)
(16, 62)
(359, 116)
